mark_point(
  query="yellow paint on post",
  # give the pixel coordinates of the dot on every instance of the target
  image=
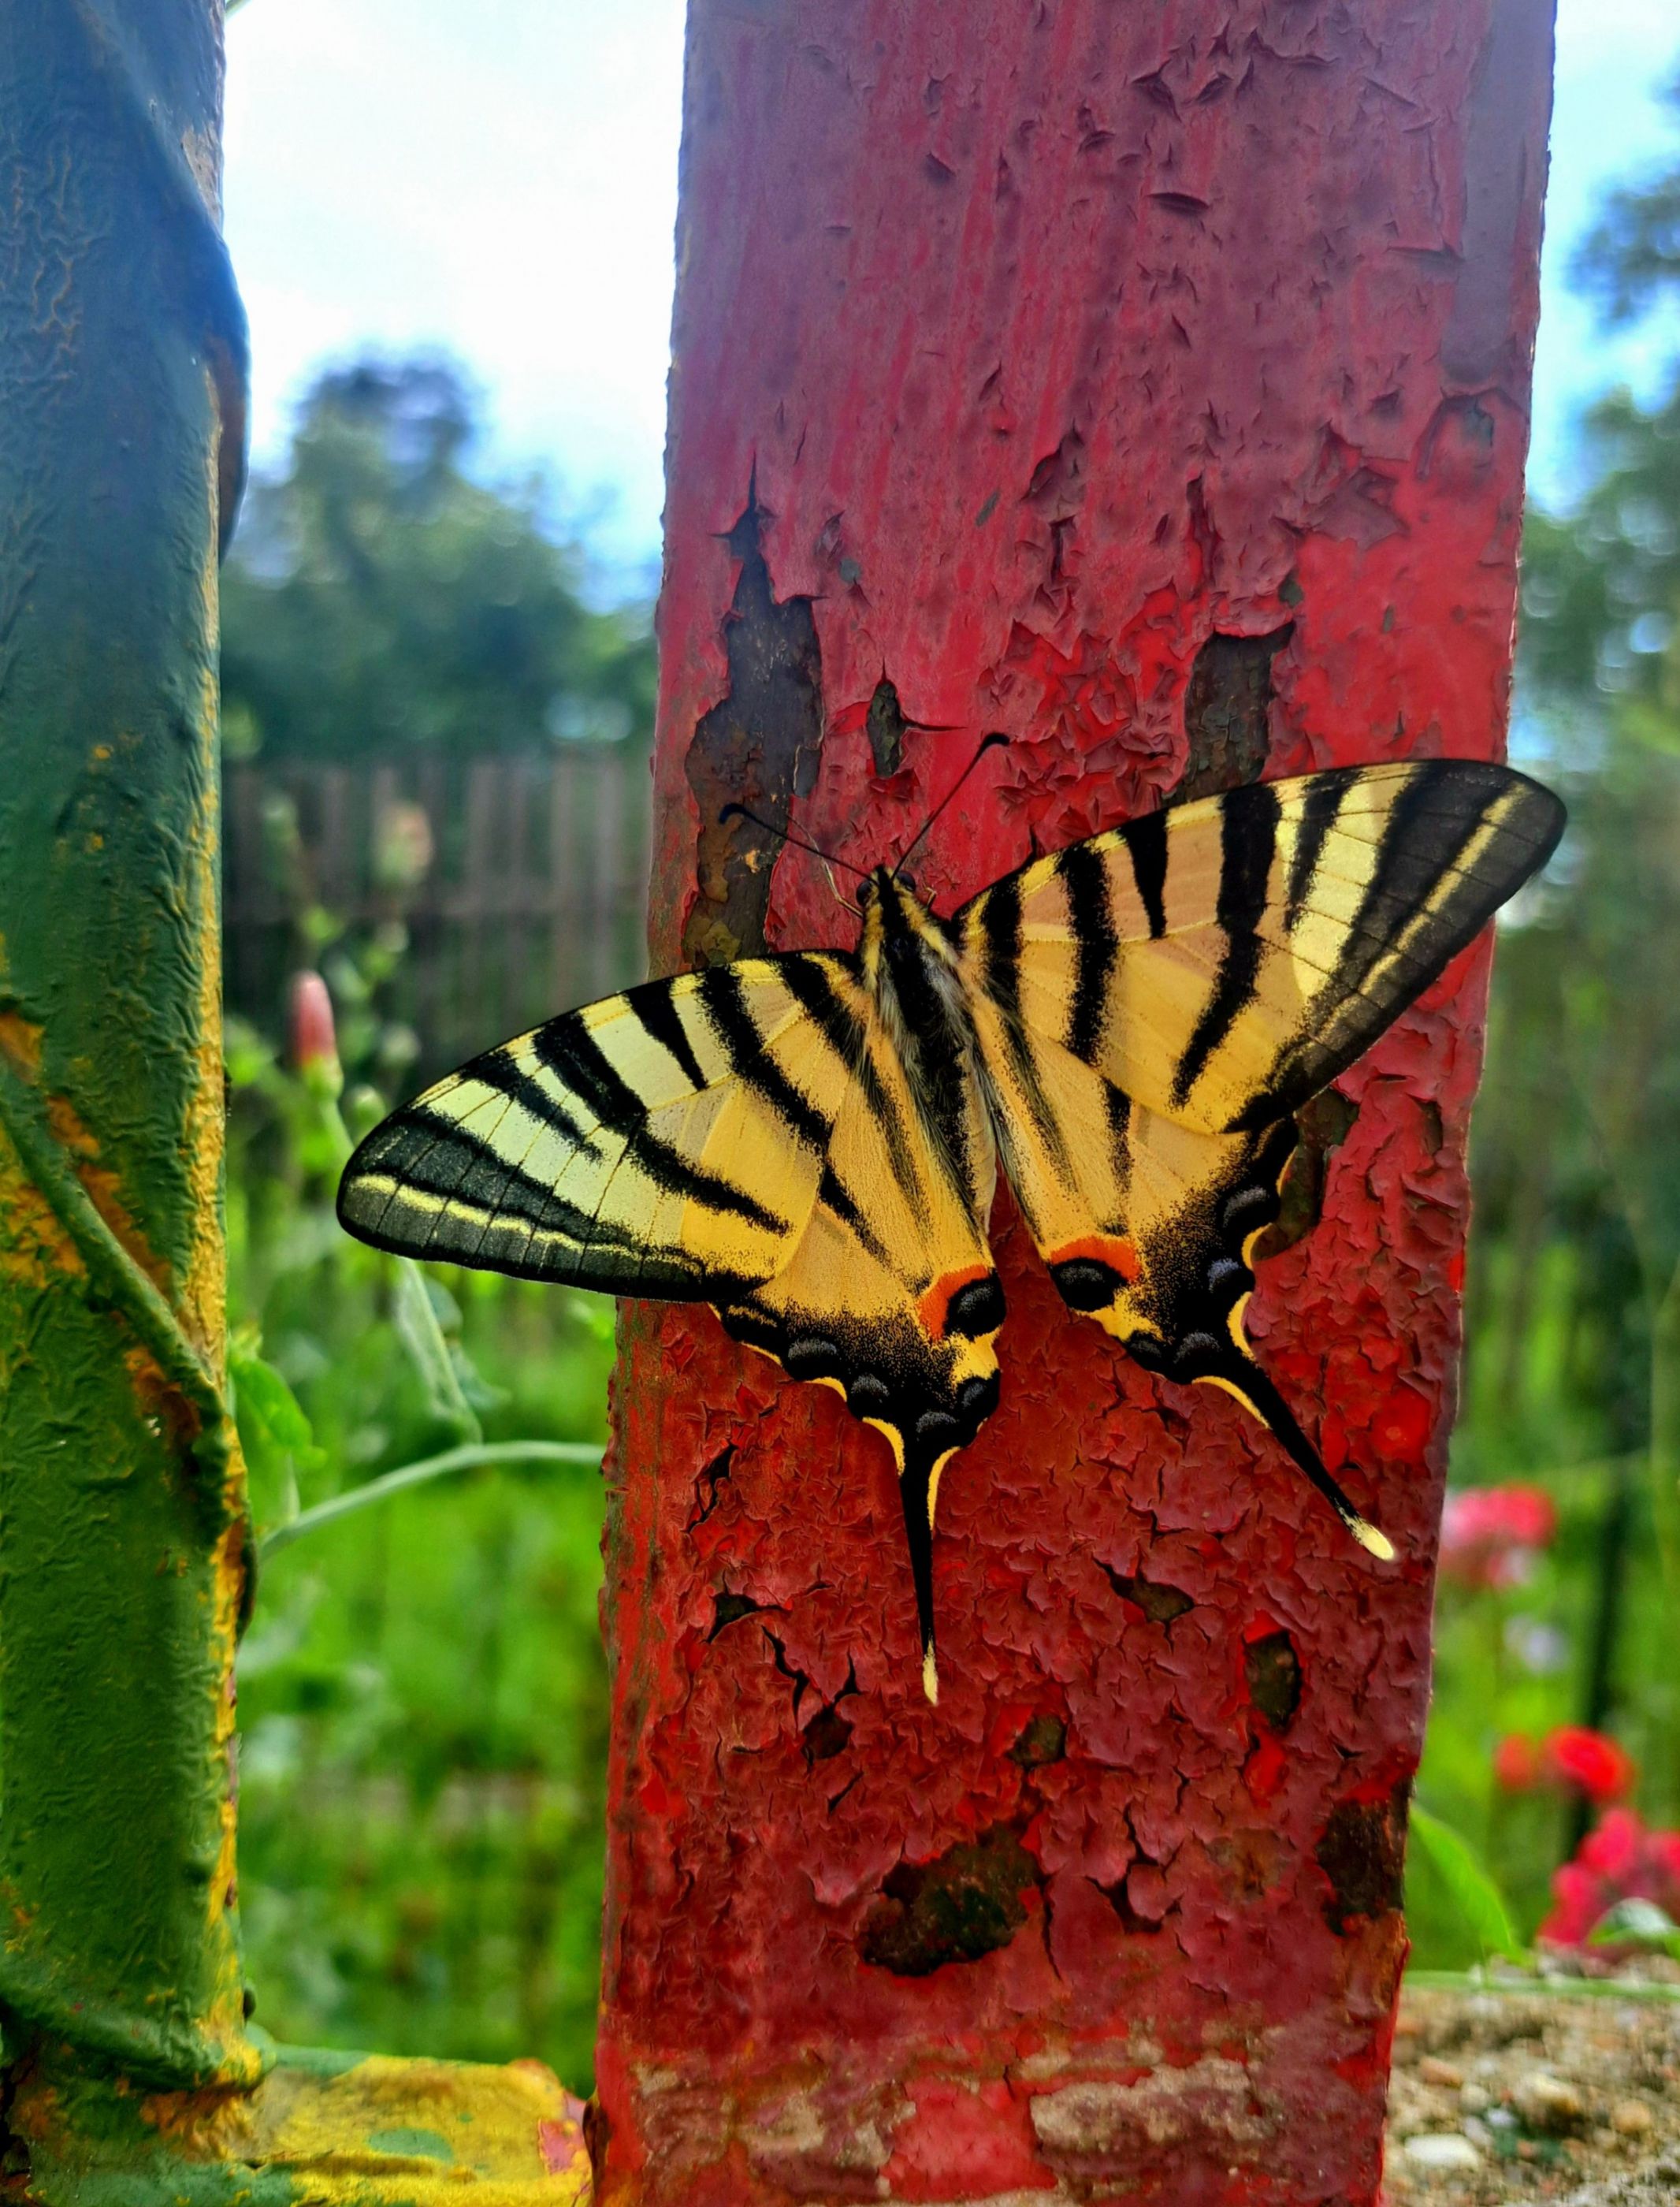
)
(384, 2133)
(34, 1249)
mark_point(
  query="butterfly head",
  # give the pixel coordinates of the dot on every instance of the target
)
(901, 938)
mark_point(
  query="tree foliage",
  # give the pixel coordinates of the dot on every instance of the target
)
(380, 596)
(1599, 698)
(1631, 256)
(1573, 1364)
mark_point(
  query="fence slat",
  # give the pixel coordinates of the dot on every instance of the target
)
(533, 900)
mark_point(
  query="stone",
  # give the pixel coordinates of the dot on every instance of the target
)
(1434, 2071)
(1548, 2104)
(1443, 2149)
(1632, 2119)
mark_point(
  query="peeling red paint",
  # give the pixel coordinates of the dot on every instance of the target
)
(1048, 344)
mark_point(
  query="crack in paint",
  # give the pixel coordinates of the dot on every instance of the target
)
(1321, 1126)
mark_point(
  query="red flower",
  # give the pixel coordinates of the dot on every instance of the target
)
(1570, 1760)
(1516, 1764)
(1578, 1760)
(1618, 1860)
(310, 1034)
(1490, 1534)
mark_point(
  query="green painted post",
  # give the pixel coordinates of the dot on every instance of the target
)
(122, 1514)
(127, 2076)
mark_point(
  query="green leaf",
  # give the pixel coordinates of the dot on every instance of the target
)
(275, 1434)
(1470, 1885)
(267, 1405)
(423, 1335)
(1635, 1923)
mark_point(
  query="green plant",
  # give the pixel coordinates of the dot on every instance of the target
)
(422, 1704)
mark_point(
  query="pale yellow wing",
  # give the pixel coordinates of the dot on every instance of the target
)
(1221, 962)
(746, 1137)
(667, 1141)
(1152, 1004)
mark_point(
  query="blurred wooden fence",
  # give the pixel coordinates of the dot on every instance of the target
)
(522, 882)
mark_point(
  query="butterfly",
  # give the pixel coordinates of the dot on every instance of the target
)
(810, 1142)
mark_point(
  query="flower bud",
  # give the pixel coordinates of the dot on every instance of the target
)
(311, 1039)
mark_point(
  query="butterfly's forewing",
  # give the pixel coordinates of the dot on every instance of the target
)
(749, 1137)
(668, 1141)
(1221, 962)
(1151, 1004)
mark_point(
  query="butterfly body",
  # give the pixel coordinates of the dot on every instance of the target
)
(810, 1142)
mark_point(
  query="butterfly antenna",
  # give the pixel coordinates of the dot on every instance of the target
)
(844, 902)
(988, 743)
(741, 812)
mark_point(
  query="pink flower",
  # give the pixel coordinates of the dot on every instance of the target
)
(1490, 1535)
(1621, 1860)
(312, 1040)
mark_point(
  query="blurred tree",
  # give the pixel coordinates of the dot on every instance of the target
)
(1576, 1321)
(380, 597)
(1632, 255)
(1602, 586)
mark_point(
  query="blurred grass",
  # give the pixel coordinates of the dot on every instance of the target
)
(422, 1693)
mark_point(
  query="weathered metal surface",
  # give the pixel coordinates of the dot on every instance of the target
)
(1043, 348)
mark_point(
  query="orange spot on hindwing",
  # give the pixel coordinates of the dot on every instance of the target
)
(976, 1315)
(1113, 1250)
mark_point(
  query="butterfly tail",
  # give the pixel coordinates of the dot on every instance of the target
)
(1249, 1384)
(918, 1491)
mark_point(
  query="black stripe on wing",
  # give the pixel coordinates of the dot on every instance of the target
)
(936, 1058)
(730, 1016)
(1146, 841)
(1248, 844)
(723, 1002)
(1090, 921)
(809, 984)
(1320, 814)
(500, 1070)
(1421, 844)
(1117, 1106)
(833, 1193)
(1000, 925)
(1419, 909)
(654, 1005)
(571, 1054)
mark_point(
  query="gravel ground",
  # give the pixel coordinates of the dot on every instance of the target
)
(1499, 2099)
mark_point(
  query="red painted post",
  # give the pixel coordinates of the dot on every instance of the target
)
(1151, 384)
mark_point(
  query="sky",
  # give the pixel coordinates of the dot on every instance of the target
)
(497, 178)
